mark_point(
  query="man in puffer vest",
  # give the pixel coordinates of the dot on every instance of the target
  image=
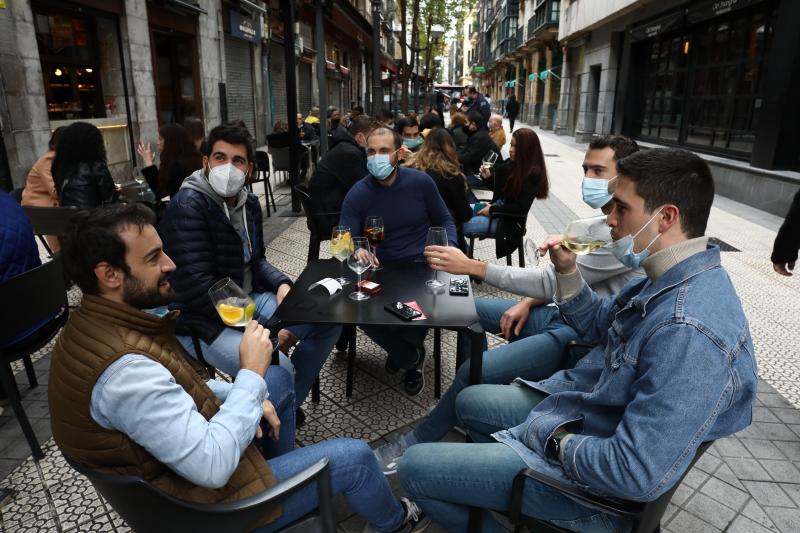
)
(126, 399)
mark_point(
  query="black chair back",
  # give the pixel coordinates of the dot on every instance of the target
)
(262, 161)
(49, 220)
(37, 294)
(319, 224)
(280, 159)
(147, 509)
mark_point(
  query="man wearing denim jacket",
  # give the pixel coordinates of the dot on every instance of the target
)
(673, 367)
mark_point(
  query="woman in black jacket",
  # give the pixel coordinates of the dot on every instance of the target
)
(518, 181)
(179, 158)
(437, 157)
(80, 172)
(512, 110)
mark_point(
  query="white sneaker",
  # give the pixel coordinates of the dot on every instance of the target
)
(389, 454)
(415, 521)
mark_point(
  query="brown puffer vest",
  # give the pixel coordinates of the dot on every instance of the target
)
(95, 336)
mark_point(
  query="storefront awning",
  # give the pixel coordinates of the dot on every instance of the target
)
(388, 64)
(185, 5)
(658, 26)
(715, 8)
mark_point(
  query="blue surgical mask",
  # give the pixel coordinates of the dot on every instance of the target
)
(595, 191)
(380, 166)
(623, 248)
(412, 143)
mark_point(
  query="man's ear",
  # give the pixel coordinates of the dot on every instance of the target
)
(205, 162)
(108, 277)
(670, 216)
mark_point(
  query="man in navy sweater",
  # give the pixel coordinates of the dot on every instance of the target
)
(410, 204)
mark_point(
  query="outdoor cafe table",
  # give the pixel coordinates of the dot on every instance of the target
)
(401, 282)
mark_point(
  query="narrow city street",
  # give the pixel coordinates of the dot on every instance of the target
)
(746, 483)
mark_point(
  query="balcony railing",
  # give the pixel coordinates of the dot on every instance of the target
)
(545, 15)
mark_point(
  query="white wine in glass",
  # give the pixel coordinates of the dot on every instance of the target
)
(359, 261)
(341, 248)
(586, 235)
(436, 237)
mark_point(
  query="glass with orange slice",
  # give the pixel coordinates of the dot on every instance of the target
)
(234, 307)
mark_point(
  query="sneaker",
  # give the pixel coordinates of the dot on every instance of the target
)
(389, 454)
(415, 520)
(415, 377)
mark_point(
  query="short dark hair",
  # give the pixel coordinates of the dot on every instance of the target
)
(472, 89)
(672, 176)
(94, 236)
(358, 108)
(383, 130)
(406, 122)
(477, 118)
(232, 134)
(430, 121)
(622, 146)
(385, 114)
(360, 124)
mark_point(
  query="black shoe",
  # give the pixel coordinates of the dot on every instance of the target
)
(415, 377)
(299, 418)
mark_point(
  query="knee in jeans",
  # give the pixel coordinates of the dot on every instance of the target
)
(354, 451)
(413, 465)
(465, 401)
(281, 379)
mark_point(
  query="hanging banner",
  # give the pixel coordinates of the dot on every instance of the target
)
(658, 26)
(244, 28)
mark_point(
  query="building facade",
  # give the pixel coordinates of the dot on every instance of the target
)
(712, 76)
(131, 66)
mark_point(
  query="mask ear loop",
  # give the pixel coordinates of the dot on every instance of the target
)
(643, 227)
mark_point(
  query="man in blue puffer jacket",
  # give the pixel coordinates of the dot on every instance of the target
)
(212, 229)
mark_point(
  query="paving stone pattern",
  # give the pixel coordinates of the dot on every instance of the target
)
(749, 482)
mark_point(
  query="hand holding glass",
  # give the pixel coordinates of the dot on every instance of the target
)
(359, 261)
(341, 248)
(373, 232)
(436, 237)
(581, 237)
(235, 308)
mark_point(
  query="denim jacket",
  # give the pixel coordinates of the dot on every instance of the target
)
(674, 366)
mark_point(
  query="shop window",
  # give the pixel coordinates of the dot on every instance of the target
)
(713, 70)
(68, 49)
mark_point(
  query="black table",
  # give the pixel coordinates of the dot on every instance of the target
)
(401, 282)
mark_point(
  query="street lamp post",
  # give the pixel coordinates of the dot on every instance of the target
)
(377, 85)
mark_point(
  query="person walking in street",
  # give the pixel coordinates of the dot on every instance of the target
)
(512, 110)
(787, 242)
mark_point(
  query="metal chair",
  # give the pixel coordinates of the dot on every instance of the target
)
(34, 301)
(147, 509)
(319, 224)
(520, 243)
(280, 160)
(263, 174)
(49, 221)
(646, 516)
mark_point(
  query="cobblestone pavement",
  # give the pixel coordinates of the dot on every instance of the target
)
(746, 483)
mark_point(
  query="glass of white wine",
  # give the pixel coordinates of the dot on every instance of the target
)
(140, 180)
(234, 307)
(489, 160)
(585, 235)
(341, 248)
(582, 236)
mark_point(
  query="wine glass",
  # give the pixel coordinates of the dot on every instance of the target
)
(140, 180)
(233, 305)
(489, 160)
(586, 235)
(341, 248)
(359, 261)
(373, 232)
(436, 237)
(582, 236)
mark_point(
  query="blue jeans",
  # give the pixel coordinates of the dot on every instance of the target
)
(316, 343)
(480, 225)
(534, 355)
(281, 393)
(400, 343)
(445, 479)
(354, 473)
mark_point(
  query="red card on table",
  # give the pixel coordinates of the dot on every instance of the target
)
(415, 306)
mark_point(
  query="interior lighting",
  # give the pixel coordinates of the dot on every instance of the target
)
(58, 72)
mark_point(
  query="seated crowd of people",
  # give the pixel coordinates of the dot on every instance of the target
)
(672, 365)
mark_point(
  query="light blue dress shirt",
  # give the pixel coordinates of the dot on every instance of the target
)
(139, 397)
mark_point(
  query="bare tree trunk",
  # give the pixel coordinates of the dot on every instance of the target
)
(414, 39)
(427, 57)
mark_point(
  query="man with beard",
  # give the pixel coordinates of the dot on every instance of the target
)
(126, 399)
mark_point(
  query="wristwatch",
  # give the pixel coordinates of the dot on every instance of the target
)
(554, 443)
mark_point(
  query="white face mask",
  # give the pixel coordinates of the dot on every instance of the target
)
(226, 180)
